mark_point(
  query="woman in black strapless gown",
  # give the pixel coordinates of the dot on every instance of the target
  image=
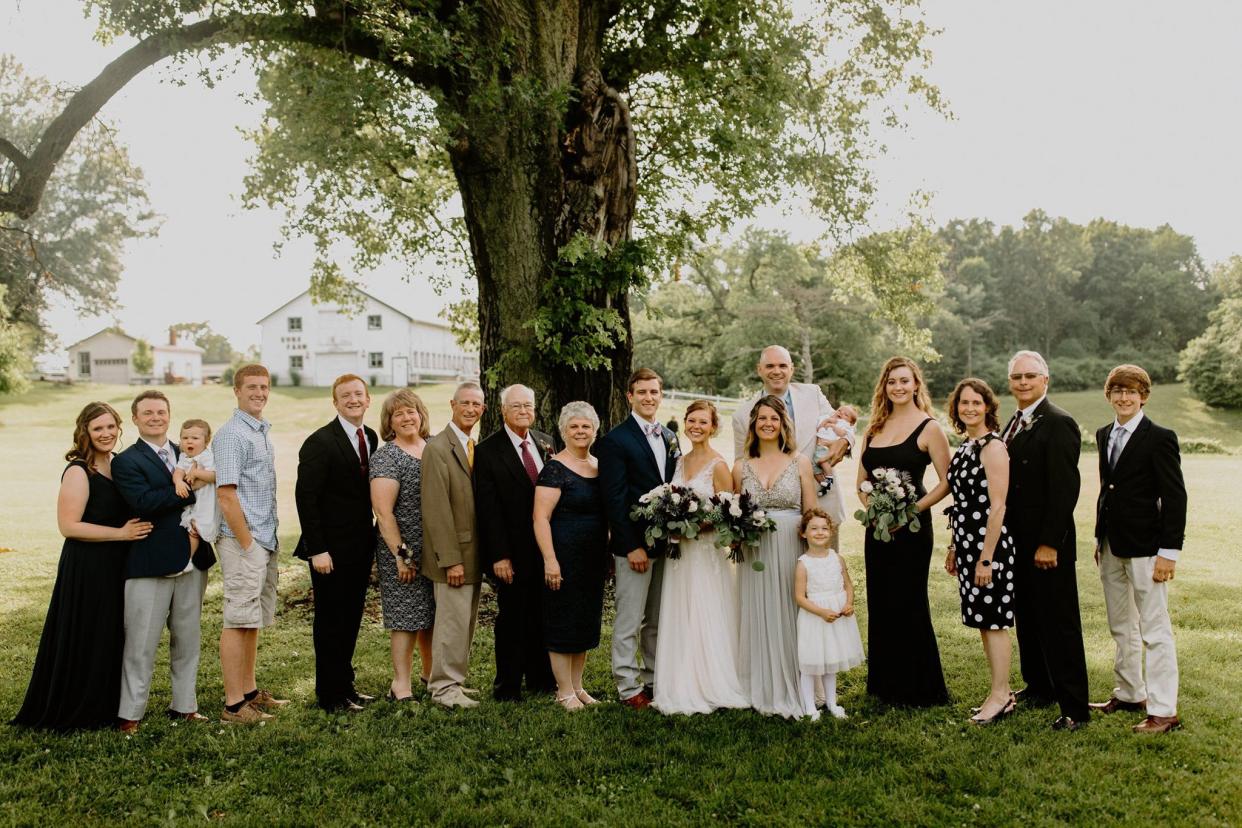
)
(902, 657)
(76, 681)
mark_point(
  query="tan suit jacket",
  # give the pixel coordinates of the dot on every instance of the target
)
(449, 536)
(810, 408)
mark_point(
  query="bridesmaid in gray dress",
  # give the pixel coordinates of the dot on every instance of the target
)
(780, 481)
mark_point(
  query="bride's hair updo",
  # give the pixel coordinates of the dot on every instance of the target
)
(785, 440)
(704, 405)
(882, 406)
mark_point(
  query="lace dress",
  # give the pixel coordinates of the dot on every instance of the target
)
(696, 653)
(768, 655)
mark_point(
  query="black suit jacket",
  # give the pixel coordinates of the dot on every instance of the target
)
(627, 471)
(147, 486)
(1142, 503)
(332, 496)
(1044, 482)
(506, 497)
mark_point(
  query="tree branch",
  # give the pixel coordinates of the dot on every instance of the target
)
(23, 198)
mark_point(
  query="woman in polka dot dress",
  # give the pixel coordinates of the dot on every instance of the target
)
(981, 553)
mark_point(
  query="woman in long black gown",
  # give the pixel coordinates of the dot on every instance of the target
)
(903, 660)
(76, 681)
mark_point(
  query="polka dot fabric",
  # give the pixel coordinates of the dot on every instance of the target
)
(990, 607)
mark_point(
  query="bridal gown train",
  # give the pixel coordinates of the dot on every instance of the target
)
(696, 664)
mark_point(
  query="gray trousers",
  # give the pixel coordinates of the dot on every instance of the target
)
(150, 604)
(638, 619)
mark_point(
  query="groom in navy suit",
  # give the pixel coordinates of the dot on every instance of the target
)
(634, 458)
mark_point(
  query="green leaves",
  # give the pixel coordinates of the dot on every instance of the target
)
(574, 325)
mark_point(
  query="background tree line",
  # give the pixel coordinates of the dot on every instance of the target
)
(1086, 296)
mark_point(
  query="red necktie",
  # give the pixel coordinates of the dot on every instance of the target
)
(1012, 429)
(362, 454)
(529, 462)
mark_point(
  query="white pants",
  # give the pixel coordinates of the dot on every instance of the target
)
(638, 619)
(1138, 618)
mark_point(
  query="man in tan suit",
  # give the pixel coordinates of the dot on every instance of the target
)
(810, 410)
(451, 553)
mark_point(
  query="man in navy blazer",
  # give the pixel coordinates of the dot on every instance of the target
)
(163, 587)
(333, 496)
(634, 458)
(1140, 523)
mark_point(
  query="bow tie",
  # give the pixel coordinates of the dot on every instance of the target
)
(652, 430)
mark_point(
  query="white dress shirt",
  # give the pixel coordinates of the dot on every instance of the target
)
(167, 447)
(530, 445)
(462, 437)
(654, 441)
(351, 431)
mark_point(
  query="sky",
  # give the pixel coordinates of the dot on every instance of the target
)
(1122, 109)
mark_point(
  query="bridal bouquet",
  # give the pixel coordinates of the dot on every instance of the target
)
(892, 503)
(739, 523)
(672, 512)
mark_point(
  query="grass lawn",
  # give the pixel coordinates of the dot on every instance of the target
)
(505, 764)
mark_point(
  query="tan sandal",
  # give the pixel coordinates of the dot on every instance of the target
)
(586, 698)
(570, 703)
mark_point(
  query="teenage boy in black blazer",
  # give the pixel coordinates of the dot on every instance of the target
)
(333, 496)
(1140, 523)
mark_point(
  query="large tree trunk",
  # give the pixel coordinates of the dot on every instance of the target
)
(529, 185)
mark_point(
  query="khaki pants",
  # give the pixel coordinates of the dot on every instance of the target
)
(456, 611)
(1138, 618)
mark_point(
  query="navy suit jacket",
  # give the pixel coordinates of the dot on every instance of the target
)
(1142, 503)
(627, 471)
(147, 486)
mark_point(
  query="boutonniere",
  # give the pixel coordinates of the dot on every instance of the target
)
(674, 447)
(545, 447)
(1028, 423)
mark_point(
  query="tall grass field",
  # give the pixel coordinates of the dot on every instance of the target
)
(533, 764)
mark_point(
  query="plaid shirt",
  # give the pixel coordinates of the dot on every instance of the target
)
(245, 459)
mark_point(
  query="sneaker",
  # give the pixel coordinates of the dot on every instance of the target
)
(825, 486)
(247, 714)
(266, 701)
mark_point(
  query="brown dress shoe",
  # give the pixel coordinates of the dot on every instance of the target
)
(247, 715)
(1157, 724)
(638, 701)
(1114, 704)
(127, 725)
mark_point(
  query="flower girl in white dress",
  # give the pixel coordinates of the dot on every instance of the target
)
(828, 640)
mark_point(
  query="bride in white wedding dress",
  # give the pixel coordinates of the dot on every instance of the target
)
(696, 663)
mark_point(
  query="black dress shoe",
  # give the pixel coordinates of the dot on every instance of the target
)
(345, 706)
(361, 698)
(507, 695)
(1066, 723)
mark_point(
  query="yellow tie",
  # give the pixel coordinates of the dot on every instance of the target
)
(470, 453)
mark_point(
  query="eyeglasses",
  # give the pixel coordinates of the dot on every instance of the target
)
(1119, 391)
(522, 406)
(1029, 376)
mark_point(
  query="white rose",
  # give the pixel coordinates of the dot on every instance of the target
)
(693, 506)
(865, 487)
(735, 510)
(645, 498)
(676, 498)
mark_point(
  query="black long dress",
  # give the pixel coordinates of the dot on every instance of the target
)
(903, 660)
(572, 614)
(76, 681)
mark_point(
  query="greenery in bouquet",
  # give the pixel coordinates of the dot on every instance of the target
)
(739, 523)
(670, 512)
(892, 503)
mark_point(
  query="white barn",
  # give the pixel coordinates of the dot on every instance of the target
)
(107, 356)
(379, 343)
